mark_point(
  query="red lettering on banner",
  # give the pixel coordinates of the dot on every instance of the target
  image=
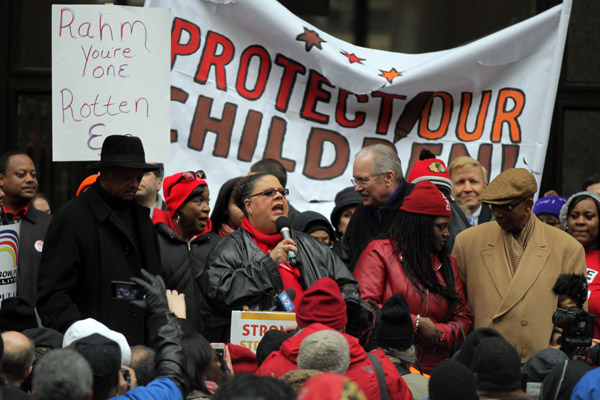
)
(183, 49)
(340, 110)
(510, 155)
(264, 69)
(203, 123)
(314, 154)
(245, 330)
(509, 116)
(313, 94)
(441, 131)
(385, 111)
(249, 136)
(462, 133)
(218, 52)
(106, 25)
(274, 146)
(291, 69)
(180, 96)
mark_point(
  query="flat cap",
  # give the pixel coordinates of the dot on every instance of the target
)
(514, 183)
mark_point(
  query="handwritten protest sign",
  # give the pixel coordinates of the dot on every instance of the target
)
(248, 327)
(110, 75)
(9, 246)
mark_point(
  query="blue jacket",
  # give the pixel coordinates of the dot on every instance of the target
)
(158, 389)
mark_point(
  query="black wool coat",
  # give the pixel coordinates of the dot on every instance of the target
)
(88, 246)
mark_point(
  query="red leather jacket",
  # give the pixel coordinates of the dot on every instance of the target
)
(380, 276)
(360, 370)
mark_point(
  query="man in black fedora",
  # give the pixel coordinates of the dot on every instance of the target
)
(101, 236)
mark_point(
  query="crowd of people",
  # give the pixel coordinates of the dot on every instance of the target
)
(439, 285)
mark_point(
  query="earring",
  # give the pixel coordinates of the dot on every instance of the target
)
(178, 218)
(249, 212)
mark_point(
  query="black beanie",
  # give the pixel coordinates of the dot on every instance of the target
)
(497, 366)
(452, 380)
(396, 329)
(465, 354)
(16, 314)
(104, 356)
(269, 343)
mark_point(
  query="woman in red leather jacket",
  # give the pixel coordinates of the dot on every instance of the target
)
(413, 260)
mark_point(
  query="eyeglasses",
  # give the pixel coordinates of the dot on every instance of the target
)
(188, 176)
(362, 181)
(270, 192)
(506, 207)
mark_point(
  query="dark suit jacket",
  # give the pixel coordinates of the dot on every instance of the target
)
(87, 247)
(485, 215)
(33, 229)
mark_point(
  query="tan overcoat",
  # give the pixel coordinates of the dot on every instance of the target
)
(520, 307)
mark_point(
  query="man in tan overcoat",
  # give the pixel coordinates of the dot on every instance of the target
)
(508, 266)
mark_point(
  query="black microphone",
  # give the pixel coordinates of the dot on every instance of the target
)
(291, 293)
(283, 226)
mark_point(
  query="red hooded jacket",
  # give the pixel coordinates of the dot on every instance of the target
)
(360, 370)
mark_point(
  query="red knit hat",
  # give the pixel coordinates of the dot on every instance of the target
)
(427, 199)
(330, 386)
(323, 303)
(176, 189)
(431, 169)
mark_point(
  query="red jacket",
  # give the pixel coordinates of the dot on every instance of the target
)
(360, 370)
(380, 275)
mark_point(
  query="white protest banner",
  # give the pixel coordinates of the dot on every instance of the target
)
(9, 250)
(110, 75)
(248, 327)
(250, 80)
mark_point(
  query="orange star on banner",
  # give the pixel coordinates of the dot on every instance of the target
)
(353, 58)
(311, 39)
(390, 75)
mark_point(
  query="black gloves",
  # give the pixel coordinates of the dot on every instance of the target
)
(155, 299)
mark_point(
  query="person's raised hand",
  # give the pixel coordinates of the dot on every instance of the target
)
(153, 287)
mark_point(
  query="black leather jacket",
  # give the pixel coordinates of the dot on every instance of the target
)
(239, 273)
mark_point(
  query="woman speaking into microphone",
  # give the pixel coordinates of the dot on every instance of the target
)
(252, 266)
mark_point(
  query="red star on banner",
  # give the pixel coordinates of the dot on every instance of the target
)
(311, 39)
(352, 57)
(390, 75)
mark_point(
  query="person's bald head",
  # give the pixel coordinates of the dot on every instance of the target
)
(18, 357)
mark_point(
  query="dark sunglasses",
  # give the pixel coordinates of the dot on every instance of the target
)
(188, 176)
(270, 192)
(506, 207)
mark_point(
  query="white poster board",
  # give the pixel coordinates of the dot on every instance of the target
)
(110, 75)
(248, 327)
(9, 248)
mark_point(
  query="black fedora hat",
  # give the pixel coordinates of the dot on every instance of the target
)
(123, 151)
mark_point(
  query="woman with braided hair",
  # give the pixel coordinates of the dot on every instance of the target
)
(412, 260)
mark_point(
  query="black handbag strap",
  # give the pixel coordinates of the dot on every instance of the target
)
(380, 376)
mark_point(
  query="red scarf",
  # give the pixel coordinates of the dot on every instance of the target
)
(162, 217)
(267, 242)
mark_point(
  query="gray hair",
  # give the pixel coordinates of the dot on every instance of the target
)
(384, 159)
(62, 374)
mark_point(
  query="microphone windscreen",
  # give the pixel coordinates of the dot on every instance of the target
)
(291, 294)
(282, 222)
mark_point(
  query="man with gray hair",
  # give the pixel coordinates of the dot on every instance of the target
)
(377, 177)
(62, 374)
